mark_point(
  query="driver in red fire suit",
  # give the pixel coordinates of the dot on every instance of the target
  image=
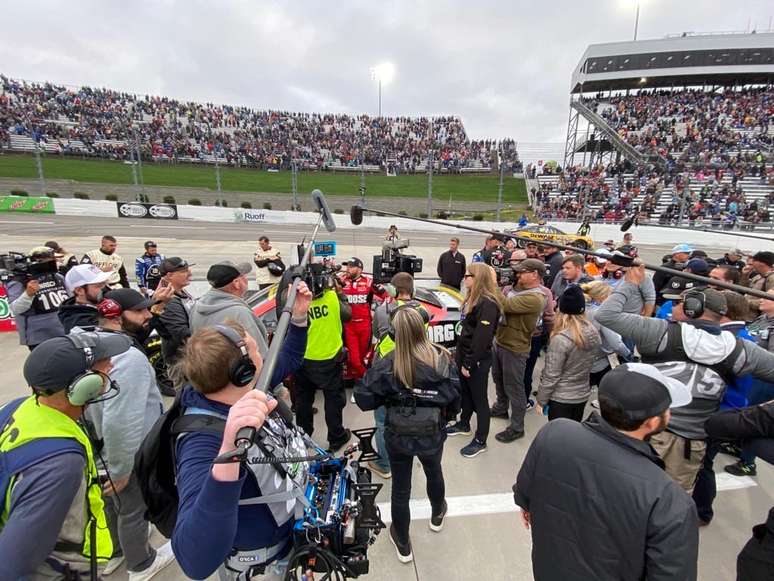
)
(359, 290)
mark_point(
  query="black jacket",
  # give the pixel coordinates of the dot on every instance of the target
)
(432, 388)
(602, 507)
(173, 326)
(660, 279)
(451, 269)
(553, 268)
(754, 425)
(478, 329)
(72, 314)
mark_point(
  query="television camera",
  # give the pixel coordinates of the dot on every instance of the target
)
(392, 261)
(23, 268)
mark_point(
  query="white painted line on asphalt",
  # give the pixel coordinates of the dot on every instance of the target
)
(25, 222)
(479, 504)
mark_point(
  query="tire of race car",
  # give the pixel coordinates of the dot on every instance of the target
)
(521, 243)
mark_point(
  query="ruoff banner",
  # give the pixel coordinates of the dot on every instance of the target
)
(143, 210)
(25, 204)
(7, 322)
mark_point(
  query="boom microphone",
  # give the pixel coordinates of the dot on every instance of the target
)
(325, 211)
(356, 215)
(628, 223)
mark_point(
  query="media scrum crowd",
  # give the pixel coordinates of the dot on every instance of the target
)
(666, 372)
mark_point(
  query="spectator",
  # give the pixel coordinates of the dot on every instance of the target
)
(554, 262)
(173, 323)
(573, 273)
(724, 273)
(269, 263)
(759, 275)
(85, 283)
(106, 259)
(451, 265)
(596, 293)
(680, 256)
(732, 258)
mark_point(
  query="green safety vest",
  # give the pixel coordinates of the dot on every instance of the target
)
(32, 421)
(324, 336)
(387, 344)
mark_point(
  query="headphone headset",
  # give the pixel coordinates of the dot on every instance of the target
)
(87, 387)
(242, 371)
(109, 309)
(693, 304)
(408, 305)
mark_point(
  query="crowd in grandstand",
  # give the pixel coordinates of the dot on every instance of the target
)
(104, 123)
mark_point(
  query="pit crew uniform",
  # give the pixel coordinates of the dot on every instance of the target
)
(357, 332)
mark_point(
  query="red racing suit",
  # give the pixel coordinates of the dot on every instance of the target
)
(357, 332)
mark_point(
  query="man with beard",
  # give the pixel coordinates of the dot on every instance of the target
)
(85, 283)
(603, 476)
(106, 259)
(121, 424)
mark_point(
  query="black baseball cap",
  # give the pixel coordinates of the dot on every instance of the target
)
(55, 363)
(354, 261)
(173, 264)
(642, 391)
(129, 299)
(150, 244)
(674, 289)
(222, 273)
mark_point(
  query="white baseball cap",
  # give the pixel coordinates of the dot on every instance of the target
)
(84, 274)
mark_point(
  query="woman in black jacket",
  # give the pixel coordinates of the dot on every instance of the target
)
(480, 317)
(417, 383)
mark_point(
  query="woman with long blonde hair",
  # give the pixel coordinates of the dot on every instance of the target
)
(480, 317)
(596, 293)
(417, 384)
(575, 344)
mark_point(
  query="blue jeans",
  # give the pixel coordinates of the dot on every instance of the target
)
(761, 391)
(380, 414)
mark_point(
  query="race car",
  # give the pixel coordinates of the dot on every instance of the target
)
(541, 232)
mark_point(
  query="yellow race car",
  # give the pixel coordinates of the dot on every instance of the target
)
(544, 232)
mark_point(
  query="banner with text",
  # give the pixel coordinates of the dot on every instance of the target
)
(25, 204)
(143, 210)
(7, 322)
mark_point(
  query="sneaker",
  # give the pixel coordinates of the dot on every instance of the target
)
(473, 449)
(458, 430)
(595, 404)
(379, 471)
(113, 564)
(530, 404)
(403, 550)
(436, 522)
(164, 556)
(508, 435)
(741, 469)
(352, 398)
(498, 413)
(336, 446)
(731, 448)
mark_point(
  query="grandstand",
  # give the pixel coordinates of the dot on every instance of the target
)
(104, 123)
(680, 128)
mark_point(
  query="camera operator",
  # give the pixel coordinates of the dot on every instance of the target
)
(53, 519)
(323, 359)
(223, 524)
(417, 383)
(359, 292)
(143, 265)
(85, 282)
(269, 264)
(34, 300)
(106, 259)
(64, 260)
(696, 351)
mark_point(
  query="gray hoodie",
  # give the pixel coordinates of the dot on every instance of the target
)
(215, 307)
(565, 376)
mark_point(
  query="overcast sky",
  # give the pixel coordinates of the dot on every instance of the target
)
(504, 67)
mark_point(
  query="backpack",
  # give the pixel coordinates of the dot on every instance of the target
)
(154, 463)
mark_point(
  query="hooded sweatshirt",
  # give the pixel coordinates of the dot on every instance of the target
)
(215, 307)
(72, 314)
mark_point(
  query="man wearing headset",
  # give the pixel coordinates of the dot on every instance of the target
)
(121, 424)
(53, 519)
(694, 350)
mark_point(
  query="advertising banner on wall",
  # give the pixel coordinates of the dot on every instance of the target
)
(25, 204)
(143, 210)
(7, 322)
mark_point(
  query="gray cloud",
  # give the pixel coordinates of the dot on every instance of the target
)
(504, 67)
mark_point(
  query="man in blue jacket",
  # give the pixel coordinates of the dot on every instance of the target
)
(216, 529)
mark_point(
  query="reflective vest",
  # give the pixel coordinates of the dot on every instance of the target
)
(324, 336)
(33, 432)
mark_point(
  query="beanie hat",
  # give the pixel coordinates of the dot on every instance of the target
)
(572, 301)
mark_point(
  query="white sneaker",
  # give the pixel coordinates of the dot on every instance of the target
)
(164, 556)
(112, 565)
(352, 398)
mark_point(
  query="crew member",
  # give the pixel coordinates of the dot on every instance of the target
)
(451, 265)
(85, 283)
(270, 265)
(732, 258)
(553, 259)
(53, 518)
(585, 227)
(34, 300)
(64, 260)
(573, 272)
(759, 275)
(679, 257)
(358, 289)
(148, 264)
(174, 320)
(323, 360)
(106, 259)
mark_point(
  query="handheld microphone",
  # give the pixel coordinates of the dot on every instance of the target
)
(322, 206)
(356, 215)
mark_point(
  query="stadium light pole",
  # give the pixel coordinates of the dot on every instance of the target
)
(383, 74)
(500, 187)
(637, 20)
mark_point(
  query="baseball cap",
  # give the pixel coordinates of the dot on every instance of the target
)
(354, 261)
(55, 363)
(609, 243)
(42, 251)
(83, 274)
(53, 245)
(150, 244)
(222, 273)
(683, 247)
(129, 299)
(642, 391)
(173, 264)
(674, 289)
(531, 265)
(698, 266)
(765, 257)
(603, 251)
(736, 252)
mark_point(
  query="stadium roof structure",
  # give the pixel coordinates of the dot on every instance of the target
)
(686, 60)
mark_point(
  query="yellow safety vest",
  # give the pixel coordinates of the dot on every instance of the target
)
(32, 421)
(324, 336)
(387, 344)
